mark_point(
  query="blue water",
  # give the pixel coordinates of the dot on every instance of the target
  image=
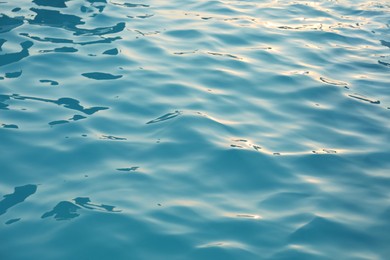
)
(194, 129)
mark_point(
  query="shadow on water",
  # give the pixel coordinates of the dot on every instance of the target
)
(2, 41)
(63, 211)
(66, 102)
(51, 3)
(164, 117)
(101, 76)
(4, 98)
(9, 58)
(53, 18)
(20, 194)
(8, 23)
(61, 40)
(66, 210)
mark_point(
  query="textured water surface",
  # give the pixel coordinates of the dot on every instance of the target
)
(194, 129)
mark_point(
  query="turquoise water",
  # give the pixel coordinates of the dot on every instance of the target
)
(194, 129)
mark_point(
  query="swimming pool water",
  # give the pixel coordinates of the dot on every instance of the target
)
(194, 129)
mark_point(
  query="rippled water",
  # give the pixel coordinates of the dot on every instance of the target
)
(195, 129)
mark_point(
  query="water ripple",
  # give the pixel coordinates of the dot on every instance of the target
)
(194, 129)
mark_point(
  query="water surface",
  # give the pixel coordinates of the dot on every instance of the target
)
(194, 129)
